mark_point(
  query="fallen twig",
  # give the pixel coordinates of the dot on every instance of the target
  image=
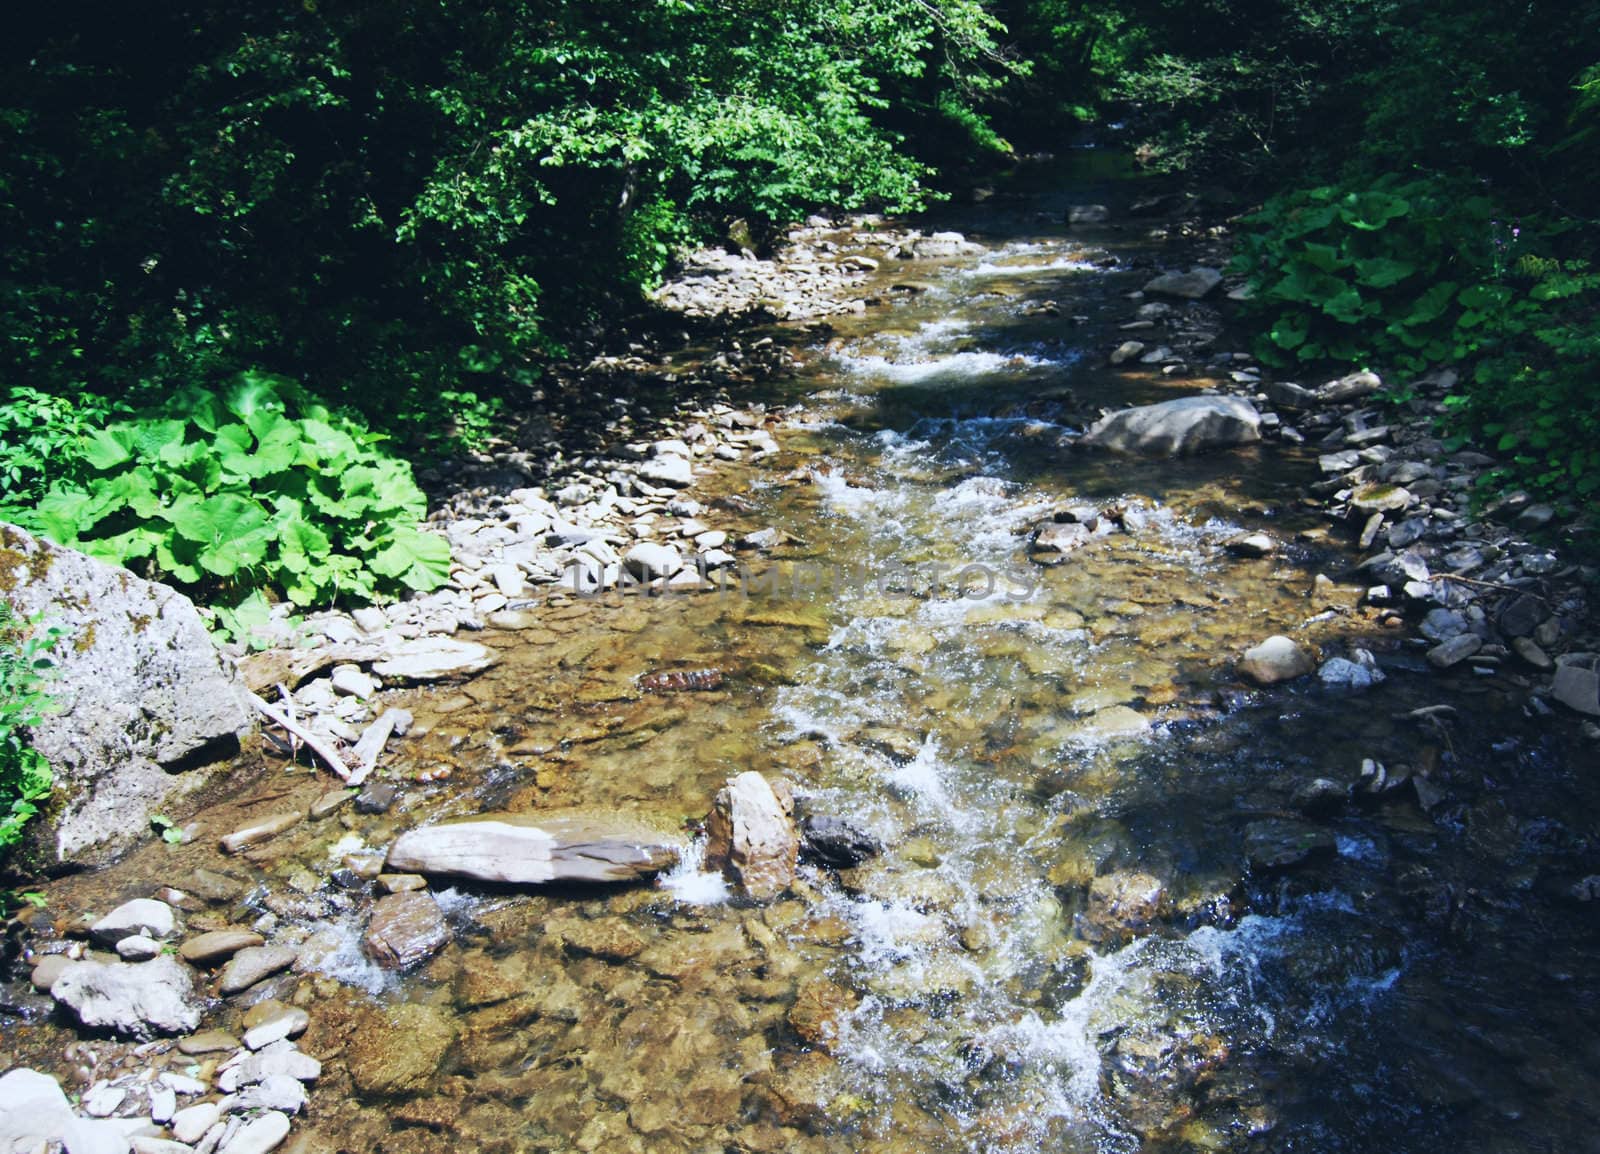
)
(1490, 585)
(312, 742)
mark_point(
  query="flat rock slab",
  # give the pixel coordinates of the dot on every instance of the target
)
(138, 999)
(434, 659)
(218, 945)
(250, 965)
(535, 848)
(1179, 427)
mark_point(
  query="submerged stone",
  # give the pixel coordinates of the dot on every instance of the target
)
(1279, 843)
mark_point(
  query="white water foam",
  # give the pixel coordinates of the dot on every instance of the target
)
(690, 882)
(965, 365)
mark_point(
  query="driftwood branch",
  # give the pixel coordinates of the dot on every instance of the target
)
(312, 742)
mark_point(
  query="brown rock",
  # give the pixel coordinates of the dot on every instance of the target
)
(398, 1049)
(606, 938)
(483, 980)
(751, 838)
(250, 965)
(1121, 903)
(218, 945)
(207, 1042)
(817, 1009)
(263, 829)
(405, 929)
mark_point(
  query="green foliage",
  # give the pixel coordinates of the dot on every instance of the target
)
(24, 700)
(255, 488)
(171, 832)
(411, 207)
(1398, 271)
(1538, 403)
(1422, 273)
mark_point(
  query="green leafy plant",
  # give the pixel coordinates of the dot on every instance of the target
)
(1396, 270)
(1417, 274)
(24, 700)
(170, 831)
(253, 489)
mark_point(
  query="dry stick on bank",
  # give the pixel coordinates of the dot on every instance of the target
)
(312, 742)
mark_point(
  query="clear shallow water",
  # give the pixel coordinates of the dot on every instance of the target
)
(1422, 985)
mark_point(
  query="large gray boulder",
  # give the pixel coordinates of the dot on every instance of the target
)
(138, 999)
(1185, 426)
(571, 845)
(144, 700)
(1192, 285)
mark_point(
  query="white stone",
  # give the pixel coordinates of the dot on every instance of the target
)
(258, 1136)
(351, 681)
(1275, 659)
(145, 916)
(163, 1103)
(138, 948)
(191, 1123)
(649, 559)
(672, 470)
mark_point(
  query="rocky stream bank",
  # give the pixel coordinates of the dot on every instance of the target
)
(300, 966)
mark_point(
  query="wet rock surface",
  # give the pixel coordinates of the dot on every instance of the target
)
(750, 835)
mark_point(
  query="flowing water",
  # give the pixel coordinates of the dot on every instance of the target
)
(1008, 732)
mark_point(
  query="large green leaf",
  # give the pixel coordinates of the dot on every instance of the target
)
(232, 532)
(254, 397)
(1431, 305)
(301, 545)
(1370, 211)
(1291, 330)
(418, 560)
(1382, 272)
(1348, 307)
(108, 448)
(325, 445)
